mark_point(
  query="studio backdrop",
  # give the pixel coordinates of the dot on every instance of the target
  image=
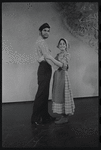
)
(20, 23)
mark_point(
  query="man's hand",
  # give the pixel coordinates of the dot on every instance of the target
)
(47, 56)
(41, 59)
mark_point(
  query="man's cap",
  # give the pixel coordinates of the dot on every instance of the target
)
(45, 25)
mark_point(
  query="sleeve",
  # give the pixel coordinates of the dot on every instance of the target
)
(57, 57)
(43, 48)
(38, 53)
(66, 58)
(65, 61)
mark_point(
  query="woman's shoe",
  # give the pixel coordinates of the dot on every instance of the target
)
(52, 118)
(62, 120)
(58, 118)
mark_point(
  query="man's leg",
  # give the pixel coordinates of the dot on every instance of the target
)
(40, 108)
(46, 117)
(38, 103)
(44, 112)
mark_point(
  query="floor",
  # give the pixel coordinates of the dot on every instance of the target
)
(80, 131)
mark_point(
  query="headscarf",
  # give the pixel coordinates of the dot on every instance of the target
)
(67, 44)
(66, 54)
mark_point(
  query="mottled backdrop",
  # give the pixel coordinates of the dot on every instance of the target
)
(20, 23)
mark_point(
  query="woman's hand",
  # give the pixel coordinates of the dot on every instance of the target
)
(65, 65)
(49, 50)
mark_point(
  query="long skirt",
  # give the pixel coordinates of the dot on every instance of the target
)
(62, 96)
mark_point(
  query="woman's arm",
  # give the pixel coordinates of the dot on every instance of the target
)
(56, 62)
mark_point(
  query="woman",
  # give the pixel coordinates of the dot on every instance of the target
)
(61, 93)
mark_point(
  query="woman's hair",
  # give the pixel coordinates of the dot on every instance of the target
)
(66, 42)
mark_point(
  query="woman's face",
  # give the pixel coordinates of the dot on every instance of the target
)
(62, 45)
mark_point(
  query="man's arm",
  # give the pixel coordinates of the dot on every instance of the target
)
(56, 62)
(45, 51)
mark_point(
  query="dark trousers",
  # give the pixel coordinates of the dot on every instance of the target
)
(40, 107)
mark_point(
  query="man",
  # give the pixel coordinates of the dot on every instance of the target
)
(40, 108)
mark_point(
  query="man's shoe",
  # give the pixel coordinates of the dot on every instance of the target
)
(35, 124)
(52, 118)
(48, 120)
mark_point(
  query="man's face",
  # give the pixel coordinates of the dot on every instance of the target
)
(45, 33)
